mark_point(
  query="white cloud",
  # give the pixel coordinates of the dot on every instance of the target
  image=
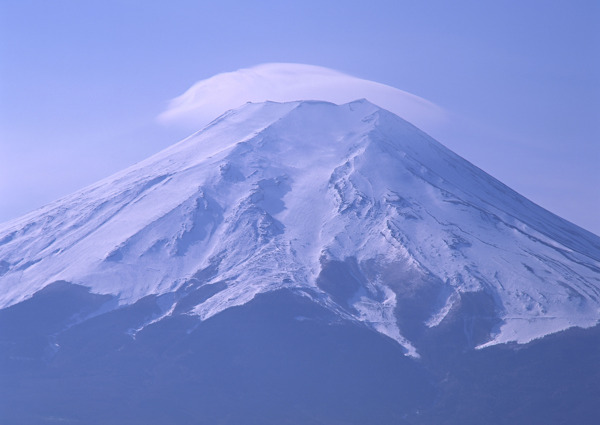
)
(282, 82)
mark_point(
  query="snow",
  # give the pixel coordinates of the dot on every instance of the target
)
(268, 192)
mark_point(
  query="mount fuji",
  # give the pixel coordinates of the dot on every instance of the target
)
(299, 262)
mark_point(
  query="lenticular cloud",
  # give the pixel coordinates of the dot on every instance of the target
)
(284, 82)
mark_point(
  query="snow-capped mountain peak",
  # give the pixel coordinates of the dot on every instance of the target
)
(348, 205)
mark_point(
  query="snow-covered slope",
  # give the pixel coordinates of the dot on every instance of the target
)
(270, 195)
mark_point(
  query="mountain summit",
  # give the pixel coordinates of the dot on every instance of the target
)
(301, 263)
(349, 206)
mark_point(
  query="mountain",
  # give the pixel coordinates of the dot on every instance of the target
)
(332, 259)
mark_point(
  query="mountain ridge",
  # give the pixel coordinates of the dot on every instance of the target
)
(294, 195)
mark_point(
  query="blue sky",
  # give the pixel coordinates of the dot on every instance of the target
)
(82, 83)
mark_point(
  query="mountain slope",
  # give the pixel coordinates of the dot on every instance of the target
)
(348, 206)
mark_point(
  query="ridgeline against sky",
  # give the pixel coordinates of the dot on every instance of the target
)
(82, 82)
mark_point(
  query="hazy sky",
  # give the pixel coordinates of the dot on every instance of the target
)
(83, 82)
